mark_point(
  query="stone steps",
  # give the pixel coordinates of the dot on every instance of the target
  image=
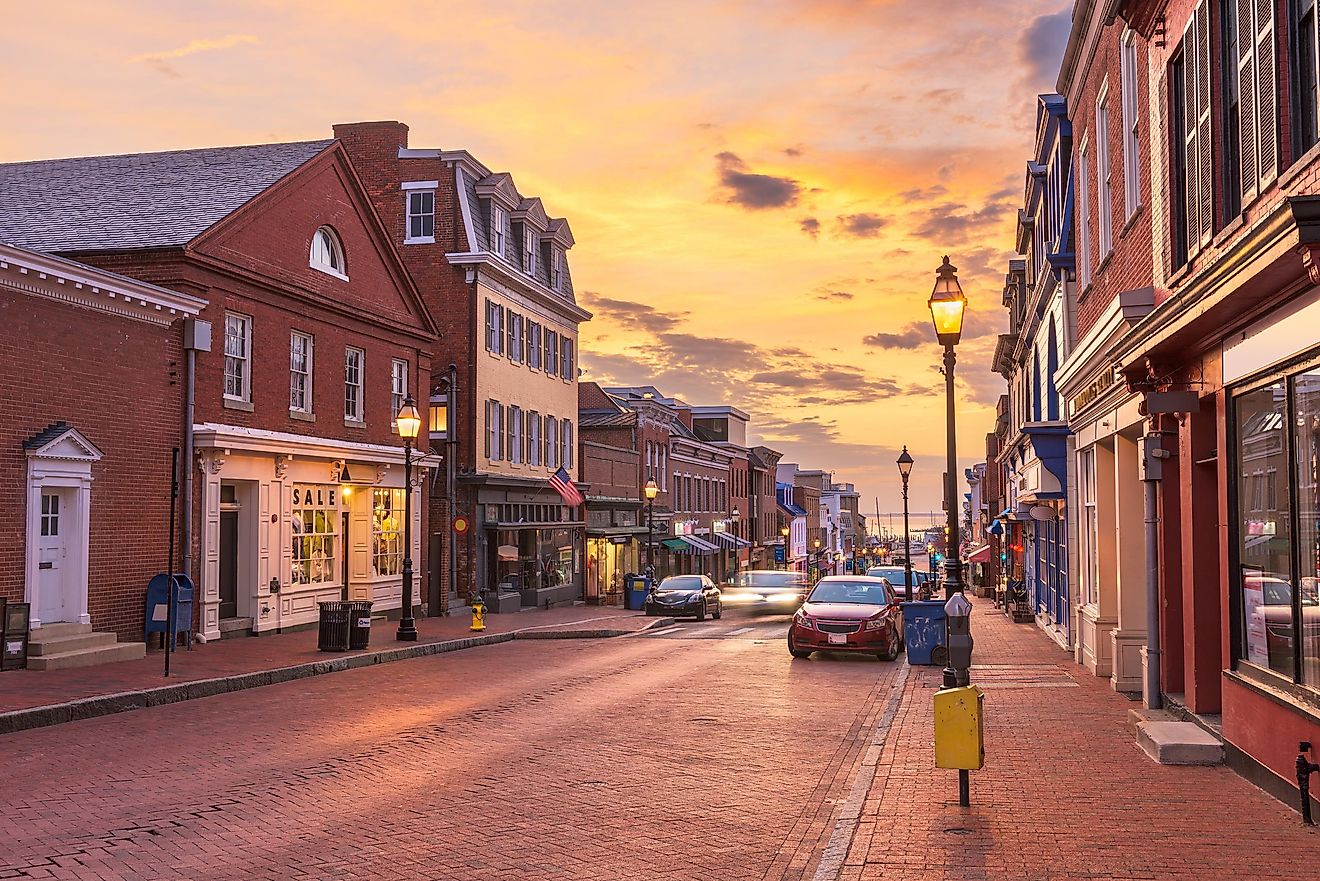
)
(1179, 743)
(62, 646)
(233, 628)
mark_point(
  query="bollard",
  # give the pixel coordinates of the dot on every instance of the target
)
(1305, 768)
(478, 614)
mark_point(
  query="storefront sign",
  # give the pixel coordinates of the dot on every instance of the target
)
(1097, 387)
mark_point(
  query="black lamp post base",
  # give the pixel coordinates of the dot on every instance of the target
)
(407, 631)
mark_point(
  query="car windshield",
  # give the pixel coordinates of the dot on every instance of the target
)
(862, 592)
(895, 576)
(681, 582)
(768, 579)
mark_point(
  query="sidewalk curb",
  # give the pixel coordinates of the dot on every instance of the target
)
(108, 704)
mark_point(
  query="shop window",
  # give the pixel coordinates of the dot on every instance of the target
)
(1264, 546)
(1306, 479)
(315, 534)
(387, 511)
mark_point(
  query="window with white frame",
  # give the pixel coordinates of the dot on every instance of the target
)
(566, 454)
(534, 345)
(566, 360)
(533, 438)
(300, 372)
(557, 269)
(551, 442)
(315, 539)
(1090, 529)
(238, 357)
(551, 353)
(420, 208)
(494, 328)
(1104, 174)
(398, 386)
(387, 511)
(1131, 124)
(515, 435)
(498, 221)
(353, 367)
(1083, 172)
(328, 254)
(664, 463)
(515, 322)
(494, 431)
(529, 250)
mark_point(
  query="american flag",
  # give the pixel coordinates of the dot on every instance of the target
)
(563, 485)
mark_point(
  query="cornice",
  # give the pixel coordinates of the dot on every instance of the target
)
(483, 262)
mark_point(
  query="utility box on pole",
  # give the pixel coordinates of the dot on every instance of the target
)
(959, 728)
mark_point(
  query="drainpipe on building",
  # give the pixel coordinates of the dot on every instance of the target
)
(1152, 468)
(196, 338)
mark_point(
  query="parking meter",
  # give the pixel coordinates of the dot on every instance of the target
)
(958, 615)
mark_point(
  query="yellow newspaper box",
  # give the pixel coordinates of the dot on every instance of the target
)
(959, 739)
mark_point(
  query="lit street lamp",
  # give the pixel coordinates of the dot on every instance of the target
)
(736, 514)
(947, 305)
(651, 491)
(409, 422)
(783, 532)
(905, 469)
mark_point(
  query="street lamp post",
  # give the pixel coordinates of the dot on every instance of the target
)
(947, 305)
(816, 546)
(783, 532)
(409, 422)
(651, 491)
(905, 469)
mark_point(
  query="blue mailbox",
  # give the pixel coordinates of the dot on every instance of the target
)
(158, 608)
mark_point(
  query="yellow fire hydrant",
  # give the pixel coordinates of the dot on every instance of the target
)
(478, 614)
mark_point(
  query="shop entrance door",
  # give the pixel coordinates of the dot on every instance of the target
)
(229, 562)
(54, 600)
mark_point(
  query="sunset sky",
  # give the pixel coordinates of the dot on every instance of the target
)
(760, 191)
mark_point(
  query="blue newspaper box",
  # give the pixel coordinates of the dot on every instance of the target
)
(635, 589)
(923, 631)
(158, 610)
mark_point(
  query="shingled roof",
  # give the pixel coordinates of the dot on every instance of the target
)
(137, 200)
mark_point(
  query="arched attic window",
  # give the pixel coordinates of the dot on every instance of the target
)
(328, 254)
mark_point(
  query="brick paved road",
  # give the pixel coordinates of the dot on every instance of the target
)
(627, 758)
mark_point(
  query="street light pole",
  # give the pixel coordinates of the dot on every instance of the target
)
(736, 515)
(651, 490)
(409, 422)
(783, 533)
(905, 469)
(947, 305)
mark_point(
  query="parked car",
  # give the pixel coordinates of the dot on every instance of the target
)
(848, 613)
(897, 576)
(682, 595)
(769, 589)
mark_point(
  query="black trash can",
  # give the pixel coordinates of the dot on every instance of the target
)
(333, 635)
(359, 623)
(14, 621)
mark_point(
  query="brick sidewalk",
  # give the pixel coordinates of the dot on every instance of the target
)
(27, 689)
(1065, 793)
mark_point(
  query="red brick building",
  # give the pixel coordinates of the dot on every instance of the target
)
(79, 484)
(1227, 366)
(317, 335)
(492, 269)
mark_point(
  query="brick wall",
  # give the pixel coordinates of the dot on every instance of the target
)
(119, 382)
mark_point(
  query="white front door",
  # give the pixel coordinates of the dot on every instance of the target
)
(53, 600)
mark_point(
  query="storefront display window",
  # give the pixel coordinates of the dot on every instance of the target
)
(1306, 443)
(1266, 497)
(608, 561)
(315, 534)
(537, 558)
(387, 508)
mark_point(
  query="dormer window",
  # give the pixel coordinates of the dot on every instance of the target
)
(328, 254)
(497, 229)
(529, 250)
(557, 269)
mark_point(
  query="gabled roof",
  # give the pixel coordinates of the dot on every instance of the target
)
(606, 419)
(142, 200)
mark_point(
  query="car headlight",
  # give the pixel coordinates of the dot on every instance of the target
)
(876, 624)
(804, 621)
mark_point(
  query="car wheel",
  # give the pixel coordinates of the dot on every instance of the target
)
(701, 611)
(719, 610)
(890, 653)
(794, 650)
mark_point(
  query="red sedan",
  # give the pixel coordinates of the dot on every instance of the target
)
(848, 613)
